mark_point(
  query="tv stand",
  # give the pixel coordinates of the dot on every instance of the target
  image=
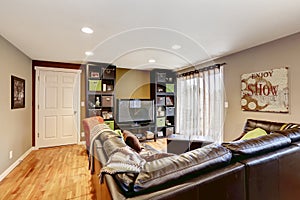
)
(135, 125)
(144, 124)
(140, 130)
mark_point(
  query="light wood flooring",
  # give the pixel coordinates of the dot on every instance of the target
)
(50, 173)
(160, 144)
(56, 173)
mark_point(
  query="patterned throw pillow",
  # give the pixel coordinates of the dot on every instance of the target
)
(289, 126)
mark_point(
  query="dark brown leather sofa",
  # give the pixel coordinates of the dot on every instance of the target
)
(271, 162)
(262, 168)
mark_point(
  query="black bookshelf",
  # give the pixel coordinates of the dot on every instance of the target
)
(163, 91)
(100, 86)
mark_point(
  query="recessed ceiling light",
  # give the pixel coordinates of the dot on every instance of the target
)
(87, 30)
(151, 61)
(89, 53)
(176, 46)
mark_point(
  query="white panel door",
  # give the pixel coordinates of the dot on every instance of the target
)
(57, 110)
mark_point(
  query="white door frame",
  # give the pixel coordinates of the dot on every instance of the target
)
(77, 98)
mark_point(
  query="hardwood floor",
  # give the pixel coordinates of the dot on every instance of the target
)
(50, 173)
(160, 144)
(54, 173)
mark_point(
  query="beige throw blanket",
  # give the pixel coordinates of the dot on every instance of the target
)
(123, 160)
(95, 132)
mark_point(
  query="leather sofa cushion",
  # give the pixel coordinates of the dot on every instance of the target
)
(165, 171)
(258, 145)
(293, 134)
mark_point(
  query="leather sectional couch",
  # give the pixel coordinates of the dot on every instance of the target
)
(264, 168)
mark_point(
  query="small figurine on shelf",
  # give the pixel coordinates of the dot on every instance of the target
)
(97, 102)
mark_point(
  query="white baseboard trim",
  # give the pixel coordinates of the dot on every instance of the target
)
(18, 161)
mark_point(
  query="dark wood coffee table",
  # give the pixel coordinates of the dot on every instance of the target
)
(179, 144)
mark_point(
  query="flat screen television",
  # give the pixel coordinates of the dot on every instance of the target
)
(135, 111)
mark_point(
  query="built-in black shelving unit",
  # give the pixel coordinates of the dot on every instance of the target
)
(100, 86)
(163, 91)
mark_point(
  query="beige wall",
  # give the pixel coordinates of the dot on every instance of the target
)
(16, 126)
(280, 53)
(132, 84)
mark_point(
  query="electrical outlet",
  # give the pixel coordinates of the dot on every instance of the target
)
(10, 154)
(82, 104)
(82, 134)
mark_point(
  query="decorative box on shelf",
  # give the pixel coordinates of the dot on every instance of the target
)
(160, 101)
(109, 73)
(169, 100)
(161, 77)
(160, 121)
(169, 131)
(94, 75)
(170, 88)
(170, 111)
(95, 85)
(107, 101)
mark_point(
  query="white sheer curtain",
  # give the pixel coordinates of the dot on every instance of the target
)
(200, 104)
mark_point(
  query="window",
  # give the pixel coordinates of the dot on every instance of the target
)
(200, 106)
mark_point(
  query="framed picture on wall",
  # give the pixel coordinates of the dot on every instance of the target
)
(17, 92)
(265, 91)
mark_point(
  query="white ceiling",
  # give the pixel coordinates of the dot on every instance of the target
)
(130, 32)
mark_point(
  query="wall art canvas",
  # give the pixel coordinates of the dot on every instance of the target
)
(265, 91)
(17, 92)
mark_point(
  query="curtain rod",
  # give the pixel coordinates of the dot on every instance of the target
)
(201, 69)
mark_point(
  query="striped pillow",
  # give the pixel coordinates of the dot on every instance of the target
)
(289, 126)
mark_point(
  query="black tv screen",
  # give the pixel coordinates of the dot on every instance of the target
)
(135, 110)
